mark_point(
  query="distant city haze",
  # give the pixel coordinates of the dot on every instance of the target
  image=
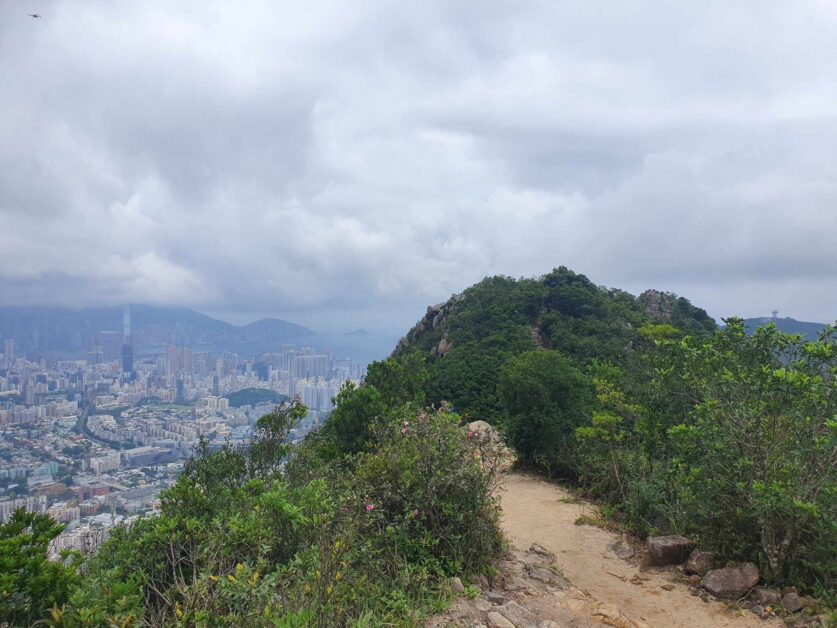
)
(344, 165)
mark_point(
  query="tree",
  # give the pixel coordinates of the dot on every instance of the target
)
(350, 426)
(29, 583)
(760, 446)
(546, 399)
(400, 380)
(269, 447)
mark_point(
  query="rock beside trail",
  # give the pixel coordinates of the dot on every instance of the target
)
(540, 550)
(528, 591)
(547, 575)
(700, 562)
(496, 620)
(621, 549)
(791, 602)
(669, 550)
(731, 582)
(767, 597)
(485, 431)
(488, 434)
(518, 615)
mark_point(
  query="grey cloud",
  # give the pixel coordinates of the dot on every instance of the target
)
(344, 166)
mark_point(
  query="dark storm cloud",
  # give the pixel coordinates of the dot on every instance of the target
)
(347, 165)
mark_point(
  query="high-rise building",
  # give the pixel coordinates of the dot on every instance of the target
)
(179, 360)
(127, 344)
(9, 351)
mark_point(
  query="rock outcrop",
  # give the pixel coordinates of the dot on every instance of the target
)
(528, 592)
(658, 305)
(433, 319)
(496, 456)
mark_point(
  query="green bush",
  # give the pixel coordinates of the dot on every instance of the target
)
(29, 583)
(333, 538)
(546, 398)
(428, 490)
(730, 440)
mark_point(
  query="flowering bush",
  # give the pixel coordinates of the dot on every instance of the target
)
(331, 539)
(433, 493)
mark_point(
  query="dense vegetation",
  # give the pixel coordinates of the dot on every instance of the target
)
(501, 317)
(731, 440)
(677, 426)
(338, 531)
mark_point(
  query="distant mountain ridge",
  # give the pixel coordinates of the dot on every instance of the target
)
(787, 324)
(67, 329)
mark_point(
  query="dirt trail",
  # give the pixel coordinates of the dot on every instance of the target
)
(535, 511)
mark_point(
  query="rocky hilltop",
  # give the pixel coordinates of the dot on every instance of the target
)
(468, 337)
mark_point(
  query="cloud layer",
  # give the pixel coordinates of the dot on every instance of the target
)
(346, 164)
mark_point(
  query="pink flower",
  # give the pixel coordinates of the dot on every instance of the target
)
(471, 434)
(415, 513)
(370, 507)
(404, 430)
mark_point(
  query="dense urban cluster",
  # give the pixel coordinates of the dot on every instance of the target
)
(92, 442)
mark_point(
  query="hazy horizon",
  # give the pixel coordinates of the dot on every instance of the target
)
(344, 166)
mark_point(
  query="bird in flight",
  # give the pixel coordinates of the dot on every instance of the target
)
(35, 15)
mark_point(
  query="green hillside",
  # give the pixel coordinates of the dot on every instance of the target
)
(467, 339)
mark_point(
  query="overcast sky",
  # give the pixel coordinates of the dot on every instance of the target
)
(346, 164)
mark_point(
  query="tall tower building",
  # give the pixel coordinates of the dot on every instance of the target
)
(127, 344)
(9, 351)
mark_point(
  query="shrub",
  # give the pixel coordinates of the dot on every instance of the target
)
(428, 489)
(730, 440)
(29, 583)
(546, 398)
(341, 538)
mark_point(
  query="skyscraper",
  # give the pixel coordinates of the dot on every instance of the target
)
(127, 344)
(9, 351)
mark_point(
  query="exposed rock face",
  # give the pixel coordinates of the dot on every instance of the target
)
(443, 347)
(518, 615)
(700, 562)
(669, 550)
(530, 593)
(731, 582)
(658, 305)
(433, 319)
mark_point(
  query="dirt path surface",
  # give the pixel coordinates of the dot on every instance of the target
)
(542, 513)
